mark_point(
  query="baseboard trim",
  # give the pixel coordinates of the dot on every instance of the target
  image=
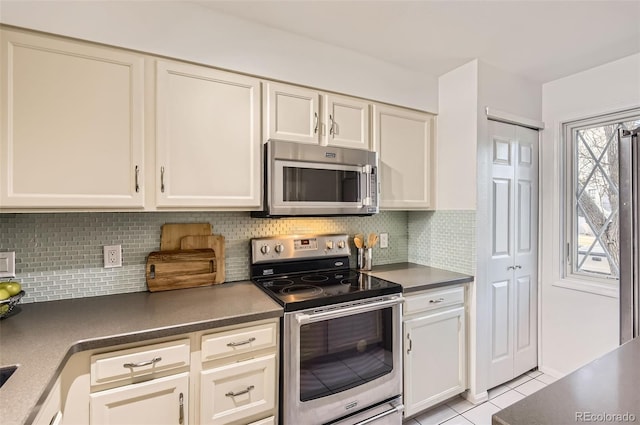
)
(476, 398)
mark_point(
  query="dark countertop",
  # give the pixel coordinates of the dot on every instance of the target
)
(41, 337)
(609, 385)
(415, 277)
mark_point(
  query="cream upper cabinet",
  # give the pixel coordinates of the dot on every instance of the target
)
(347, 122)
(72, 124)
(302, 115)
(404, 141)
(291, 113)
(207, 138)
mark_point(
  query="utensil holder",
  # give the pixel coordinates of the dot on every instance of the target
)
(364, 258)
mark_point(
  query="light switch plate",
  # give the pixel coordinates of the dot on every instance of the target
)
(8, 264)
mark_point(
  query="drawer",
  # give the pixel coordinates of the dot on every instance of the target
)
(433, 299)
(135, 362)
(237, 391)
(236, 341)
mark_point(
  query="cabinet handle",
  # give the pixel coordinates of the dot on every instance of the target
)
(246, 390)
(181, 404)
(162, 179)
(137, 185)
(410, 344)
(332, 126)
(145, 363)
(439, 300)
(315, 129)
(235, 344)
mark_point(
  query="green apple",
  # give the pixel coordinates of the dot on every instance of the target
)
(13, 288)
(4, 294)
(4, 308)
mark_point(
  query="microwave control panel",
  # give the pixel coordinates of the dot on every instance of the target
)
(285, 248)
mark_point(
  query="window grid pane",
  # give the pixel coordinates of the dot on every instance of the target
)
(595, 237)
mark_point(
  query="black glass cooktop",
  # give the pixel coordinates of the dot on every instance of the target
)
(315, 289)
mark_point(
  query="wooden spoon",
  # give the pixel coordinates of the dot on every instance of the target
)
(358, 240)
(373, 239)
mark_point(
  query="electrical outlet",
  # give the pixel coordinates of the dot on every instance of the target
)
(384, 240)
(112, 256)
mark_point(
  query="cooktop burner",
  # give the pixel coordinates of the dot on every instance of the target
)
(311, 271)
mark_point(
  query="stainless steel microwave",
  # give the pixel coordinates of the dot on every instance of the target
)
(313, 180)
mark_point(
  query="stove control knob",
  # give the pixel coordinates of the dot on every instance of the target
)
(341, 244)
(264, 249)
(279, 248)
(329, 244)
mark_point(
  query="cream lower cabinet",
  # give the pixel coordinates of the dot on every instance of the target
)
(72, 124)
(208, 145)
(404, 141)
(434, 348)
(51, 410)
(159, 401)
(238, 381)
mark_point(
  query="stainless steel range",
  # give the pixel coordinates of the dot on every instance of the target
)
(341, 333)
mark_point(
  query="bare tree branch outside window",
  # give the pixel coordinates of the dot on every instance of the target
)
(595, 198)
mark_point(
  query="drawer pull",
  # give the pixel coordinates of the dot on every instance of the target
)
(232, 394)
(439, 300)
(235, 344)
(140, 364)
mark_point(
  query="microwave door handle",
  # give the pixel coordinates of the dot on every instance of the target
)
(368, 190)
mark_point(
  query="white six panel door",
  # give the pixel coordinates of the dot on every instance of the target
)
(513, 265)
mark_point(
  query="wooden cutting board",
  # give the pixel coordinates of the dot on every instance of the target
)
(172, 233)
(215, 242)
(179, 269)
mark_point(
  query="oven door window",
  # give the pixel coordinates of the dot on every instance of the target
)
(343, 353)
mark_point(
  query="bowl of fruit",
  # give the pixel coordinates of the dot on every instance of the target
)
(10, 294)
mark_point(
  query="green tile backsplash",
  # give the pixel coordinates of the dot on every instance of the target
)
(443, 239)
(59, 255)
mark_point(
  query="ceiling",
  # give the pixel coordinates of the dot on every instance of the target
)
(540, 40)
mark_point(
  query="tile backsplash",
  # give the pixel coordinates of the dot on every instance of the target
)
(59, 255)
(443, 239)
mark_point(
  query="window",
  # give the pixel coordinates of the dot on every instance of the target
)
(592, 235)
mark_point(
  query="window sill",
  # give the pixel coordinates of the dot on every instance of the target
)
(605, 289)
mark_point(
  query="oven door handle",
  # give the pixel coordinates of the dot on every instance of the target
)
(393, 410)
(341, 312)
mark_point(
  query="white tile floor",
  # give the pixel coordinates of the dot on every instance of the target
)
(459, 411)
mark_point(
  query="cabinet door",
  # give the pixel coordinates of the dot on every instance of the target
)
(434, 360)
(403, 140)
(51, 411)
(292, 113)
(156, 402)
(238, 391)
(72, 124)
(347, 121)
(208, 138)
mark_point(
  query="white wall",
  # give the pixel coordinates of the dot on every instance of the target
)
(517, 96)
(576, 326)
(457, 138)
(188, 31)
